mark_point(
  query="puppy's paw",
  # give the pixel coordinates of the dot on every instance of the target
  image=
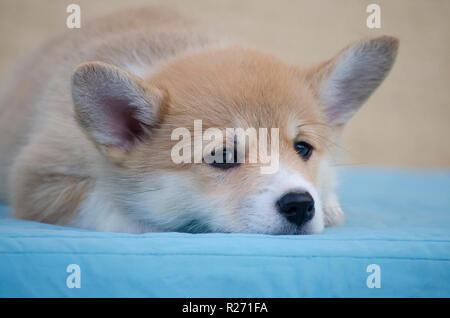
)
(332, 211)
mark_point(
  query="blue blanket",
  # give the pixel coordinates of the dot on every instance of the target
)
(395, 243)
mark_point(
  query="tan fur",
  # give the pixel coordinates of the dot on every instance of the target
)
(52, 164)
(39, 91)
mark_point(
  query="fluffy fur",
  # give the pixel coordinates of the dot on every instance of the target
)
(85, 126)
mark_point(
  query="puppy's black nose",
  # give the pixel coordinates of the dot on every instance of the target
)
(297, 207)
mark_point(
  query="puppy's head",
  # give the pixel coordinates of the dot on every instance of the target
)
(133, 122)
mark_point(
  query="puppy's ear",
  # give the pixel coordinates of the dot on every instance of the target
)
(115, 108)
(346, 81)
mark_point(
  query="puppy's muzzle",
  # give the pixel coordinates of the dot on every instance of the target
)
(296, 207)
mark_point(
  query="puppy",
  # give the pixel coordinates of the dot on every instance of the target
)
(87, 125)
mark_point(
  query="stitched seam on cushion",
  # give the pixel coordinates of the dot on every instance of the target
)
(221, 237)
(230, 255)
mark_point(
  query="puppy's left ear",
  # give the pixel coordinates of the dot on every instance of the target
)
(346, 81)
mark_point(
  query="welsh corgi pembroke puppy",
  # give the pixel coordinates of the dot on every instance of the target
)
(94, 123)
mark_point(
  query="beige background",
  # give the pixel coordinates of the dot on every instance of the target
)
(405, 123)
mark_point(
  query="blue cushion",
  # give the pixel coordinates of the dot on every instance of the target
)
(398, 220)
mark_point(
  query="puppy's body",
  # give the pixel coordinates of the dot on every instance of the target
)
(95, 153)
(36, 108)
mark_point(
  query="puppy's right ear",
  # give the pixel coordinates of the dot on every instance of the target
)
(115, 108)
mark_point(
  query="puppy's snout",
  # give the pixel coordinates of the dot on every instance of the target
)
(296, 207)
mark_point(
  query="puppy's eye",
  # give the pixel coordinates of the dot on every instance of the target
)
(303, 149)
(227, 160)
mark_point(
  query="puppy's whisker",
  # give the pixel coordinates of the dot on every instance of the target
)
(145, 191)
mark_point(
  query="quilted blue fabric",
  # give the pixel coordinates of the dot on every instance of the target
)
(398, 220)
